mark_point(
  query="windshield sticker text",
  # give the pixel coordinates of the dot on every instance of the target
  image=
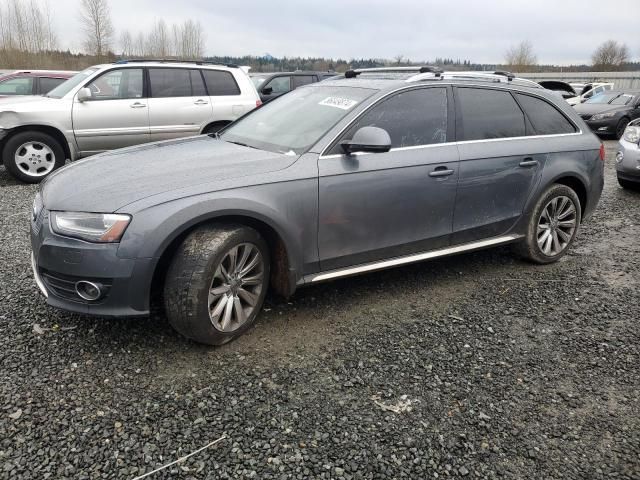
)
(343, 103)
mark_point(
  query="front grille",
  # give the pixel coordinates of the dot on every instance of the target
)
(64, 286)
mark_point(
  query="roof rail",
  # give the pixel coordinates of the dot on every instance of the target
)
(170, 60)
(510, 76)
(492, 77)
(412, 69)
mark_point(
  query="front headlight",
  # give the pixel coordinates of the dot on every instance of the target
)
(632, 134)
(602, 116)
(92, 227)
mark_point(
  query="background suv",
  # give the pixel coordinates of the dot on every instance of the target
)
(31, 82)
(273, 85)
(336, 178)
(119, 105)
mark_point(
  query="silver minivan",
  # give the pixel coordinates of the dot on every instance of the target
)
(119, 105)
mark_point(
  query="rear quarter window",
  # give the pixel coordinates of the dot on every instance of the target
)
(220, 83)
(489, 114)
(544, 117)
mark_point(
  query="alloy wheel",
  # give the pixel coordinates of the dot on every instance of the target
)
(556, 225)
(236, 287)
(35, 159)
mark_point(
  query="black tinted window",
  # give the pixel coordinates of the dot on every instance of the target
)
(170, 82)
(220, 83)
(415, 117)
(489, 114)
(546, 120)
(197, 84)
(299, 80)
(47, 84)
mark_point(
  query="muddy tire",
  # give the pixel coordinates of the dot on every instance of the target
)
(31, 156)
(552, 226)
(216, 283)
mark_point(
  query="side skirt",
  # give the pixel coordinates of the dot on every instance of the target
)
(419, 257)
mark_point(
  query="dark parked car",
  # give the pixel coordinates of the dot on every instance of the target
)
(337, 178)
(31, 82)
(273, 85)
(609, 113)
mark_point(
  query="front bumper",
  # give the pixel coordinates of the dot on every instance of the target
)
(59, 262)
(628, 161)
(605, 127)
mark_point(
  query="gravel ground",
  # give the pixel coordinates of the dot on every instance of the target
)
(478, 366)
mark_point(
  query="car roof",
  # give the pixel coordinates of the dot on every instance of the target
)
(39, 72)
(297, 72)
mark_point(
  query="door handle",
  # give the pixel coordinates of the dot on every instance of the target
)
(528, 162)
(441, 172)
(201, 102)
(137, 105)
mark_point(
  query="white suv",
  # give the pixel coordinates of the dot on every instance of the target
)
(119, 105)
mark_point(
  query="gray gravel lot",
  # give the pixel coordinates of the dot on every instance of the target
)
(478, 366)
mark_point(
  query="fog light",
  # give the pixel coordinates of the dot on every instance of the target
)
(619, 157)
(88, 290)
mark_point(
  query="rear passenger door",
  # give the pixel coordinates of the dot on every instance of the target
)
(379, 205)
(178, 103)
(225, 95)
(498, 164)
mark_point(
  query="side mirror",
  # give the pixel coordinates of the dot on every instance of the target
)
(368, 139)
(267, 90)
(84, 94)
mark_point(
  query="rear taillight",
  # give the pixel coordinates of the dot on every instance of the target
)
(602, 152)
(258, 103)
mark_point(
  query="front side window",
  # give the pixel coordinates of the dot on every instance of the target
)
(65, 87)
(411, 118)
(17, 86)
(488, 114)
(221, 83)
(119, 84)
(294, 122)
(280, 84)
(545, 118)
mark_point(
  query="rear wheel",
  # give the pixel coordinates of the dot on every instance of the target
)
(621, 126)
(552, 226)
(31, 156)
(216, 283)
(214, 128)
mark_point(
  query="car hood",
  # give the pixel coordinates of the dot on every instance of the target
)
(593, 108)
(112, 180)
(12, 107)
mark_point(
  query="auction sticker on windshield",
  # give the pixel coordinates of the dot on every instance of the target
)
(338, 102)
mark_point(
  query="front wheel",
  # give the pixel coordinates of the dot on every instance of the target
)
(553, 225)
(216, 283)
(31, 156)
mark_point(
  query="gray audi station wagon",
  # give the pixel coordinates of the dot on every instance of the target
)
(378, 169)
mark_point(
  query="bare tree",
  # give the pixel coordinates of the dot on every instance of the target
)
(126, 44)
(398, 59)
(188, 39)
(159, 43)
(610, 55)
(96, 21)
(521, 57)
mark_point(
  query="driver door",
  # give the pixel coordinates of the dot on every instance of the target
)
(380, 205)
(116, 115)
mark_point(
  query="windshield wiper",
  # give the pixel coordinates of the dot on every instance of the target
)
(242, 144)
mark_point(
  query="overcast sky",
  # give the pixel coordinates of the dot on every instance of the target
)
(561, 31)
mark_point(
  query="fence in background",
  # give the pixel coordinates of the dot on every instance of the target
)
(620, 79)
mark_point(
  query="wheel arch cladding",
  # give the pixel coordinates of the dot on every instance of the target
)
(281, 281)
(577, 186)
(52, 131)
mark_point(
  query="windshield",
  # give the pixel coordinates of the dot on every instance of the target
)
(257, 81)
(294, 122)
(65, 87)
(623, 99)
(603, 98)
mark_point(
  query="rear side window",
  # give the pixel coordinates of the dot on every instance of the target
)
(412, 118)
(489, 114)
(220, 83)
(545, 118)
(170, 82)
(300, 80)
(47, 84)
(17, 86)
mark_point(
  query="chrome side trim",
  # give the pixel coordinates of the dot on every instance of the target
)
(369, 267)
(37, 278)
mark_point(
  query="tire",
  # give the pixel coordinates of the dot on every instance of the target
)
(196, 270)
(31, 156)
(628, 185)
(550, 251)
(620, 127)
